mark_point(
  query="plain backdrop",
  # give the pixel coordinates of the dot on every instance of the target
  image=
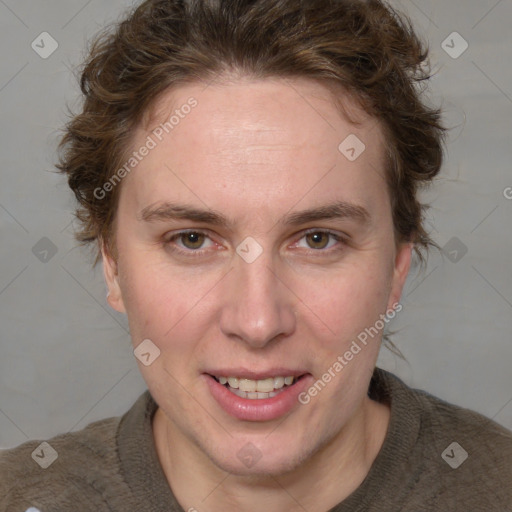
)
(66, 358)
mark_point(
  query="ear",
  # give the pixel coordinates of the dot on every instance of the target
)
(110, 271)
(401, 271)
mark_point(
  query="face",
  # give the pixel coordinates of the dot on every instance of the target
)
(251, 247)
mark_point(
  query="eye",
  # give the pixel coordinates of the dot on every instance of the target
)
(189, 241)
(192, 239)
(320, 240)
(199, 243)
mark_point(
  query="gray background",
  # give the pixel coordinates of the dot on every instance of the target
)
(66, 358)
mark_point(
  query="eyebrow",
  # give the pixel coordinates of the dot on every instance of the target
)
(170, 211)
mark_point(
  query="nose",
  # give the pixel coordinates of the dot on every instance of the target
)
(258, 307)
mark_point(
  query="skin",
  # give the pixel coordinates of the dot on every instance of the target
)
(257, 151)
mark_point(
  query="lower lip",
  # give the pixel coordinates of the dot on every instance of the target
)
(264, 409)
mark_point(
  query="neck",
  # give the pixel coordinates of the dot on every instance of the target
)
(329, 476)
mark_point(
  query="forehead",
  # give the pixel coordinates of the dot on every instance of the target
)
(265, 139)
(259, 105)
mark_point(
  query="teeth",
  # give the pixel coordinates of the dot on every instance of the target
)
(255, 395)
(265, 385)
(247, 385)
(278, 382)
(255, 387)
(233, 382)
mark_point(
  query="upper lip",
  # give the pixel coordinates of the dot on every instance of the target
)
(245, 373)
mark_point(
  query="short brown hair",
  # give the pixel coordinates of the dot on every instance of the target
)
(365, 47)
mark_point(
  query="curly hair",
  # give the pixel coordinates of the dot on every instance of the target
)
(365, 48)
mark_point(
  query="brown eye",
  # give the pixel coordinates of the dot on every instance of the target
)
(192, 240)
(318, 240)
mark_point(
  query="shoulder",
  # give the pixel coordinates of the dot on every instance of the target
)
(483, 437)
(472, 454)
(62, 470)
(459, 456)
(439, 416)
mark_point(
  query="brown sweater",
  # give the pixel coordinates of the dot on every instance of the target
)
(111, 465)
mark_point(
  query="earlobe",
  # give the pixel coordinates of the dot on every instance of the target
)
(110, 272)
(401, 271)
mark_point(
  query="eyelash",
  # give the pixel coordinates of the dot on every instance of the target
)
(200, 252)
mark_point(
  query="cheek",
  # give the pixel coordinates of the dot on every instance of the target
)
(147, 299)
(164, 304)
(345, 303)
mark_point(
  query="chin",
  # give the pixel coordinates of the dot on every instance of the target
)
(249, 461)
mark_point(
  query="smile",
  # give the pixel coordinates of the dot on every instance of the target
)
(256, 389)
(263, 397)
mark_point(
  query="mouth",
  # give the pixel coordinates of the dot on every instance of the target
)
(266, 396)
(260, 389)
